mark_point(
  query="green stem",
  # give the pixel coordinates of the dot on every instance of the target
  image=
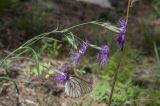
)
(36, 38)
(115, 79)
(70, 28)
(120, 60)
(128, 10)
(107, 25)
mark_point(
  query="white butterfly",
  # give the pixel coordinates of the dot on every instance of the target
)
(75, 87)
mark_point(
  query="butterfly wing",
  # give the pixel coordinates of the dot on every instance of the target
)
(76, 87)
(72, 89)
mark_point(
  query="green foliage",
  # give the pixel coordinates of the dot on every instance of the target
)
(41, 69)
(35, 56)
(110, 67)
(25, 48)
(70, 37)
(34, 21)
(154, 97)
(102, 88)
(12, 80)
(124, 92)
(51, 48)
(5, 3)
(107, 25)
(124, 89)
(7, 64)
(157, 3)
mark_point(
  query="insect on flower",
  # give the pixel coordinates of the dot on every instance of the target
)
(74, 86)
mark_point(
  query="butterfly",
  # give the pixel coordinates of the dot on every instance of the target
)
(76, 87)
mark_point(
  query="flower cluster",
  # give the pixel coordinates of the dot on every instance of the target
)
(77, 54)
(102, 56)
(121, 35)
(63, 76)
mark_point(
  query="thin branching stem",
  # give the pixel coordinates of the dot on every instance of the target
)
(70, 28)
(41, 36)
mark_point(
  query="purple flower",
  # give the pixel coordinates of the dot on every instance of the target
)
(83, 47)
(102, 56)
(63, 75)
(77, 54)
(61, 78)
(121, 35)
